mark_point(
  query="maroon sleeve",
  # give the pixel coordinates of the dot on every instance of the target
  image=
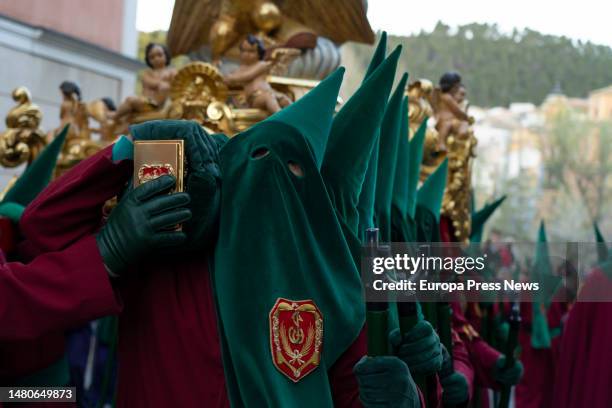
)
(57, 290)
(483, 358)
(461, 362)
(71, 206)
(344, 386)
(481, 355)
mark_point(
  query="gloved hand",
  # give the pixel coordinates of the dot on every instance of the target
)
(507, 376)
(203, 174)
(502, 330)
(139, 224)
(419, 348)
(455, 389)
(454, 384)
(385, 382)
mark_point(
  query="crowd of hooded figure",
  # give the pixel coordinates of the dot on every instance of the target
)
(275, 216)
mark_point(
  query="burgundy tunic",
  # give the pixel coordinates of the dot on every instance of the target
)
(481, 355)
(169, 352)
(584, 372)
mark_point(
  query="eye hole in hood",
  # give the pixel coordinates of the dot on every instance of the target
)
(295, 168)
(260, 153)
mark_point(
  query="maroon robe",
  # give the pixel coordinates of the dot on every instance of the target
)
(461, 361)
(169, 351)
(536, 388)
(52, 293)
(40, 299)
(482, 356)
(584, 372)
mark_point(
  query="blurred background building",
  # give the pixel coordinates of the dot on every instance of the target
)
(42, 43)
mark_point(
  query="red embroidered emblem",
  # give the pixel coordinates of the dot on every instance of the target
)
(148, 172)
(296, 337)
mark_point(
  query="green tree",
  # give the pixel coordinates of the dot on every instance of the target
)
(498, 68)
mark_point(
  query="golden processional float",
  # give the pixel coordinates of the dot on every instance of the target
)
(452, 137)
(300, 41)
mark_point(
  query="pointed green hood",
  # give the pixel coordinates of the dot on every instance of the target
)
(379, 55)
(353, 134)
(387, 157)
(403, 228)
(34, 178)
(311, 115)
(540, 332)
(280, 237)
(543, 274)
(365, 205)
(414, 162)
(602, 249)
(542, 264)
(429, 204)
(402, 164)
(431, 193)
(479, 218)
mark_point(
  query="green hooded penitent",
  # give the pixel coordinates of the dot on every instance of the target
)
(353, 134)
(387, 158)
(414, 167)
(429, 204)
(402, 227)
(602, 249)
(365, 205)
(480, 217)
(542, 273)
(280, 238)
(33, 180)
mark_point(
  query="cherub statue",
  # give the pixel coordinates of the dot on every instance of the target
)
(455, 132)
(76, 113)
(72, 112)
(251, 74)
(420, 94)
(239, 17)
(23, 139)
(155, 84)
(451, 108)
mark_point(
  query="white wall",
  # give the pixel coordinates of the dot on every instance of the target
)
(41, 59)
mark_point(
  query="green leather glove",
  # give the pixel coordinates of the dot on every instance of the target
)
(140, 224)
(454, 384)
(455, 389)
(507, 376)
(419, 348)
(502, 330)
(203, 175)
(385, 382)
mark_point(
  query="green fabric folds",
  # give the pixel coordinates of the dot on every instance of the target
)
(431, 193)
(402, 167)
(414, 169)
(365, 205)
(480, 217)
(283, 240)
(12, 211)
(429, 204)
(387, 158)
(379, 55)
(309, 117)
(38, 174)
(123, 149)
(542, 273)
(353, 134)
(402, 225)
